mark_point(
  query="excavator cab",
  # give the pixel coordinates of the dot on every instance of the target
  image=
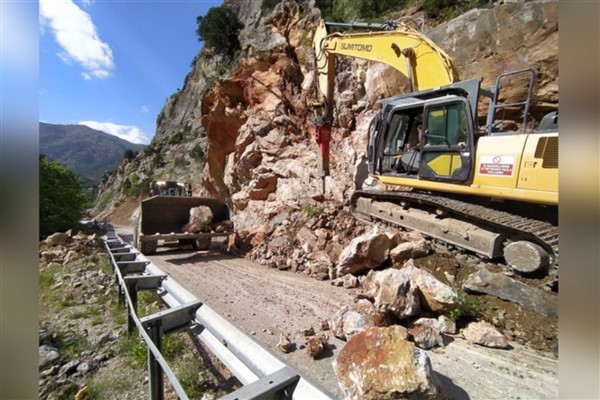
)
(430, 139)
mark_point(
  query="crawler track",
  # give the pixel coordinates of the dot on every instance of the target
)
(514, 227)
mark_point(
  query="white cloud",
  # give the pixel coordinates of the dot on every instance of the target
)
(130, 133)
(145, 109)
(75, 32)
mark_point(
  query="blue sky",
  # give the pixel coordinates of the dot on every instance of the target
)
(111, 65)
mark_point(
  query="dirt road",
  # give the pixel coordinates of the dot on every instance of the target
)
(264, 302)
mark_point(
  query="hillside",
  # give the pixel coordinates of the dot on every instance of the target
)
(86, 151)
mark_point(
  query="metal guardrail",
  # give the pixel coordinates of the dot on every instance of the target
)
(264, 374)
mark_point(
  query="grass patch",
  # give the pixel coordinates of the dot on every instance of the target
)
(192, 377)
(97, 390)
(134, 347)
(105, 265)
(466, 307)
(118, 313)
(46, 276)
(312, 211)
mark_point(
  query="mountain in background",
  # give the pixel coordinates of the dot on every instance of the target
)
(86, 151)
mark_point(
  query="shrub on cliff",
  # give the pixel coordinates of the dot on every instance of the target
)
(220, 29)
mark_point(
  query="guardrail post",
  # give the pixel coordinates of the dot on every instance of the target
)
(156, 382)
(164, 322)
(129, 267)
(134, 284)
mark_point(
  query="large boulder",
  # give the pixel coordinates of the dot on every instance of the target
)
(57, 239)
(360, 316)
(435, 295)
(200, 218)
(393, 291)
(379, 363)
(506, 288)
(364, 252)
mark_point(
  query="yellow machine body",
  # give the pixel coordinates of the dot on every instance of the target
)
(512, 167)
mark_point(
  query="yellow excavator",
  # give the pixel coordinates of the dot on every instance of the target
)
(487, 190)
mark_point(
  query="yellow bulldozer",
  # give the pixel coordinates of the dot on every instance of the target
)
(165, 211)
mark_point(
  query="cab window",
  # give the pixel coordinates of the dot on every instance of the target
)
(446, 125)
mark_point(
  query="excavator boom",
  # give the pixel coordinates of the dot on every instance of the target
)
(424, 64)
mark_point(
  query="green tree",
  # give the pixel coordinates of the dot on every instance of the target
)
(220, 29)
(129, 154)
(61, 198)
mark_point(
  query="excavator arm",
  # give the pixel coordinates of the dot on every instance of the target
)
(424, 64)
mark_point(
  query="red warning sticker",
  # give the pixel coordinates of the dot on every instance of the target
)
(497, 165)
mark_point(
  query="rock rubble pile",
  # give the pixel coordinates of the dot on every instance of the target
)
(76, 336)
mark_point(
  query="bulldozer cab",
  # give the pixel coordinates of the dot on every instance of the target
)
(169, 188)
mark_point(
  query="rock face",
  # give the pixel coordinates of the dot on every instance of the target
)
(506, 37)
(407, 373)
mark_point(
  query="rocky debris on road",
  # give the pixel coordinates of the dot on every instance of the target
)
(358, 317)
(392, 291)
(285, 345)
(64, 247)
(426, 335)
(379, 363)
(347, 281)
(316, 345)
(402, 273)
(484, 334)
(364, 252)
(308, 240)
(507, 288)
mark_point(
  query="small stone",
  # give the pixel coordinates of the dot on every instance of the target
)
(316, 345)
(47, 355)
(69, 368)
(484, 334)
(308, 332)
(284, 345)
(324, 324)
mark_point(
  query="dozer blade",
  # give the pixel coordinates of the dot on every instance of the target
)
(166, 214)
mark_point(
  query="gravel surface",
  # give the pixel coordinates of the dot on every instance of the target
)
(265, 302)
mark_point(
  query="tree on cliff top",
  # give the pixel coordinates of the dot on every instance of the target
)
(61, 198)
(220, 29)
